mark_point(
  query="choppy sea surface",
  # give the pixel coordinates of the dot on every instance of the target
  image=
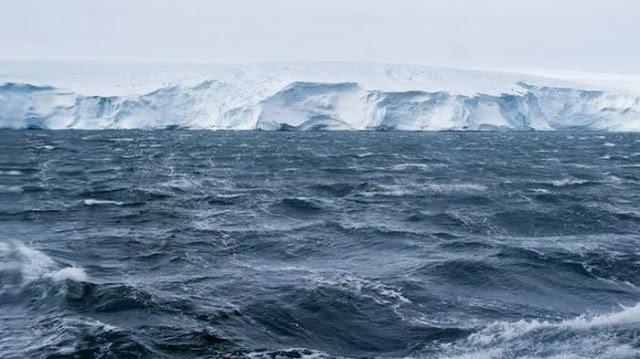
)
(184, 244)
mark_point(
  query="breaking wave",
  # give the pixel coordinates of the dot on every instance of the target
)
(589, 335)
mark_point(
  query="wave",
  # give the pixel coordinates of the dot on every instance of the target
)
(378, 292)
(23, 264)
(588, 335)
(69, 337)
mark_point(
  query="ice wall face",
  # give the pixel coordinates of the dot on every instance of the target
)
(276, 103)
(208, 105)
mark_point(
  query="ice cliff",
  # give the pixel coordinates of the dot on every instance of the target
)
(304, 97)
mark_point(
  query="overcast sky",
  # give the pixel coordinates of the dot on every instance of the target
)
(579, 35)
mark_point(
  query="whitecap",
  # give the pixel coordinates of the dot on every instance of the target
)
(32, 264)
(98, 202)
(584, 336)
(10, 173)
(29, 263)
(568, 182)
(510, 330)
(76, 274)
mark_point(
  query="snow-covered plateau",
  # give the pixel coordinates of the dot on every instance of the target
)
(304, 96)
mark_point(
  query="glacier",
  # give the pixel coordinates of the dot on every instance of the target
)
(303, 96)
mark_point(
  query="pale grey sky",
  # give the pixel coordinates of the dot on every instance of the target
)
(579, 35)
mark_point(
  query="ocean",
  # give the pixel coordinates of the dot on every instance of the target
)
(189, 244)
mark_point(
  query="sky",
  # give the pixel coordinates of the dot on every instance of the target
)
(568, 35)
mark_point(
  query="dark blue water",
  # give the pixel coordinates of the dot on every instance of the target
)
(124, 244)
